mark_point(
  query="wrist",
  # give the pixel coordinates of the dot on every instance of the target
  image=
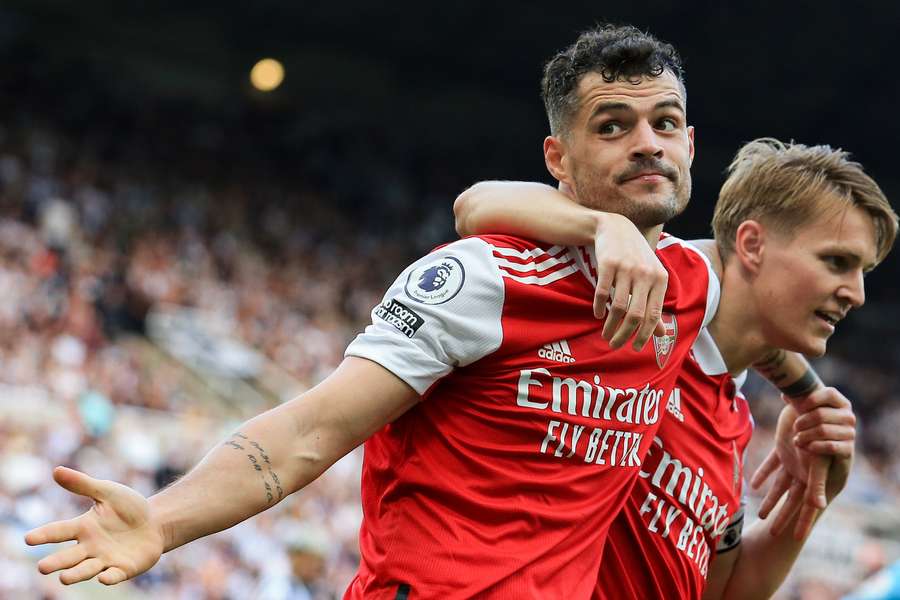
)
(597, 223)
(802, 387)
(610, 223)
(162, 522)
(602, 223)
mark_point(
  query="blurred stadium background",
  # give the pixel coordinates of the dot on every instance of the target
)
(180, 250)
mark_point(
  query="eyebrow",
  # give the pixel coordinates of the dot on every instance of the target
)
(603, 107)
(852, 256)
(676, 104)
(610, 106)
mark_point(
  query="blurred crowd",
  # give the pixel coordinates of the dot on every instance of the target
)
(90, 245)
(86, 250)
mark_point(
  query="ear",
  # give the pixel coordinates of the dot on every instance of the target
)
(749, 244)
(690, 134)
(557, 159)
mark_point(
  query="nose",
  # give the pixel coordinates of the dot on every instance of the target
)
(854, 290)
(646, 142)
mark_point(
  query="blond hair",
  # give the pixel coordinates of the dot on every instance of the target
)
(785, 185)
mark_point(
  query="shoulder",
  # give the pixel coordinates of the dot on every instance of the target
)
(497, 245)
(676, 249)
(509, 242)
(531, 262)
(487, 268)
(691, 274)
(710, 250)
(440, 275)
(688, 267)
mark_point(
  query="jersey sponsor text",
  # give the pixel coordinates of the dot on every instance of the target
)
(707, 513)
(406, 320)
(600, 446)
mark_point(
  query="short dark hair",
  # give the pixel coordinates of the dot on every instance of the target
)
(615, 52)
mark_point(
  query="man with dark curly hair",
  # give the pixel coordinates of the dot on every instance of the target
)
(576, 90)
(503, 434)
(796, 228)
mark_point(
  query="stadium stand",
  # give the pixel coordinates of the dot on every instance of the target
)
(144, 313)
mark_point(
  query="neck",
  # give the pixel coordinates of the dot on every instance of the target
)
(652, 234)
(734, 328)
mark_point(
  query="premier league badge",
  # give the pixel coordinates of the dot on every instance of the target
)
(664, 344)
(436, 282)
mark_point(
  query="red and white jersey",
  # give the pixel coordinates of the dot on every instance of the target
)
(503, 481)
(687, 503)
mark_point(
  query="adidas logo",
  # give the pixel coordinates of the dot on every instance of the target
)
(674, 404)
(557, 351)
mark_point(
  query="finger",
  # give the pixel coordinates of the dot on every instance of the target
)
(660, 328)
(63, 559)
(636, 313)
(831, 448)
(790, 507)
(605, 276)
(629, 325)
(618, 306)
(805, 521)
(762, 473)
(112, 576)
(84, 571)
(781, 485)
(78, 483)
(825, 416)
(52, 533)
(815, 484)
(824, 433)
(652, 324)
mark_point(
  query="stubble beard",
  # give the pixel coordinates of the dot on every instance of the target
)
(645, 212)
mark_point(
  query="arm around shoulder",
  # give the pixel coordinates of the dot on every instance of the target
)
(526, 209)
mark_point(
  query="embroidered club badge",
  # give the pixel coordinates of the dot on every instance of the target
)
(664, 344)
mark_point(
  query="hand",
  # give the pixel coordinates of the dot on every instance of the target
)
(825, 426)
(791, 471)
(628, 268)
(797, 489)
(812, 457)
(826, 430)
(784, 482)
(116, 537)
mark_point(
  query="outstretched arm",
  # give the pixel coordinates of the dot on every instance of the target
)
(629, 275)
(269, 457)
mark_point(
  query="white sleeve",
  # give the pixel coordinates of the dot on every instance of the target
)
(442, 312)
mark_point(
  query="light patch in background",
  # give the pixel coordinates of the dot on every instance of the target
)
(267, 74)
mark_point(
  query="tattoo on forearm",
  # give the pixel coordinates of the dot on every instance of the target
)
(769, 367)
(261, 465)
(772, 367)
(803, 386)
